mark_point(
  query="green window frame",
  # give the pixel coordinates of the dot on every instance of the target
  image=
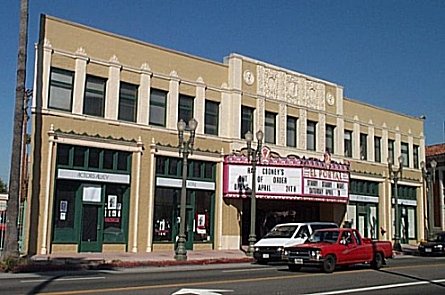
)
(61, 89)
(185, 109)
(291, 131)
(158, 107)
(246, 120)
(270, 122)
(94, 97)
(211, 117)
(128, 97)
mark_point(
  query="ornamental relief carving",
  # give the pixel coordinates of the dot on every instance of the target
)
(292, 89)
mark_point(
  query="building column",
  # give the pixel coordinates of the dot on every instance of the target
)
(411, 150)
(302, 128)
(144, 95)
(226, 108)
(173, 101)
(199, 107)
(46, 72)
(356, 139)
(321, 133)
(113, 84)
(151, 193)
(397, 145)
(384, 143)
(340, 137)
(282, 125)
(79, 81)
(46, 206)
(140, 145)
(258, 118)
(371, 147)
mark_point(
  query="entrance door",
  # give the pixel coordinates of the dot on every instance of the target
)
(91, 229)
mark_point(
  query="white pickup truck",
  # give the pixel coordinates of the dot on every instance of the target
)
(271, 246)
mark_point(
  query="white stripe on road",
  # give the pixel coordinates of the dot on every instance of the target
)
(345, 291)
(66, 279)
(250, 269)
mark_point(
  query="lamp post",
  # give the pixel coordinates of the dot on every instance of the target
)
(395, 174)
(254, 155)
(428, 176)
(185, 148)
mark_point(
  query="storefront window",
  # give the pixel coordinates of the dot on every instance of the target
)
(203, 201)
(64, 214)
(79, 156)
(165, 203)
(114, 209)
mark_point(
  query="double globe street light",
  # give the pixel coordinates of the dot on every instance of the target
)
(395, 175)
(429, 176)
(253, 156)
(185, 148)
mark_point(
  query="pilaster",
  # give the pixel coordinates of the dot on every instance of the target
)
(79, 80)
(113, 84)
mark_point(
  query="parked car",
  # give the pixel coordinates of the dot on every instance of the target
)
(271, 246)
(328, 248)
(434, 246)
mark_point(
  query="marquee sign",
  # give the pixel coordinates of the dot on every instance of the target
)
(270, 180)
(287, 178)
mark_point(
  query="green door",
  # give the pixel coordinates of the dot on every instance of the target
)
(188, 227)
(91, 228)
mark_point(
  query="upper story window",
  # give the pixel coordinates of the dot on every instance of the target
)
(311, 135)
(291, 132)
(92, 159)
(128, 96)
(246, 120)
(377, 149)
(185, 111)
(158, 107)
(329, 138)
(61, 89)
(270, 127)
(94, 98)
(363, 146)
(211, 117)
(391, 155)
(405, 153)
(416, 156)
(348, 143)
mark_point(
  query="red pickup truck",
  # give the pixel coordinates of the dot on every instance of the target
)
(328, 248)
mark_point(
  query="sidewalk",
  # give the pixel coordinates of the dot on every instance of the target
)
(83, 261)
(125, 260)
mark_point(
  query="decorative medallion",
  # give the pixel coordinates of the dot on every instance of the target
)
(249, 78)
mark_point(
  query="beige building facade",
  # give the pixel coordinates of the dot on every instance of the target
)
(105, 167)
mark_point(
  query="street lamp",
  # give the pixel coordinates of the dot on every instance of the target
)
(185, 148)
(254, 155)
(429, 176)
(395, 174)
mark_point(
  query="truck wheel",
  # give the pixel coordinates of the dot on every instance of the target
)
(329, 264)
(378, 261)
(293, 267)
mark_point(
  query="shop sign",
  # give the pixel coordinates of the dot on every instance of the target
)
(93, 176)
(327, 183)
(270, 180)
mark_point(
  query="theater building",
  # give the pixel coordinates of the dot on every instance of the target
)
(106, 170)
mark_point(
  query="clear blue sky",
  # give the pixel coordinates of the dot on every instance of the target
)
(386, 53)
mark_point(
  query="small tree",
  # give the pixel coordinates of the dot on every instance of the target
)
(3, 187)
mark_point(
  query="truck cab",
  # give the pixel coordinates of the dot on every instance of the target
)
(270, 247)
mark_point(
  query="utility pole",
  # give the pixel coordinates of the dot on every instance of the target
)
(11, 238)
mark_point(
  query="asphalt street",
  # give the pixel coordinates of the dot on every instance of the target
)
(402, 275)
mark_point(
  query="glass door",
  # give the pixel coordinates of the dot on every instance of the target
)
(91, 228)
